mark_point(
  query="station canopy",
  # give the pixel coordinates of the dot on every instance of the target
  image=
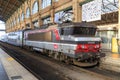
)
(8, 7)
(109, 6)
(92, 10)
(109, 12)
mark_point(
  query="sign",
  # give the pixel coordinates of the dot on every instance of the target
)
(92, 11)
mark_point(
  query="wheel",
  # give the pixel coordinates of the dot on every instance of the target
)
(85, 64)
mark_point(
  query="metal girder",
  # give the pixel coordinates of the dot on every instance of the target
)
(108, 8)
(8, 7)
(108, 18)
(86, 1)
(5, 7)
(2, 19)
(21, 1)
(2, 30)
(7, 15)
(108, 3)
(112, 3)
(12, 4)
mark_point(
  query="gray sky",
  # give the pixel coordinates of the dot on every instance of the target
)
(2, 26)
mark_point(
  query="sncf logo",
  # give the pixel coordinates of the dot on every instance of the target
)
(55, 46)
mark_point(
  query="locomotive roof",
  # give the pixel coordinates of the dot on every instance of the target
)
(77, 24)
(72, 24)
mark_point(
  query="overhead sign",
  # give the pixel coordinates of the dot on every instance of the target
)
(92, 11)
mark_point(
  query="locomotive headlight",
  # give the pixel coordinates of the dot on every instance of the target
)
(84, 46)
(97, 46)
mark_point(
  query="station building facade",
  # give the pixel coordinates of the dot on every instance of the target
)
(35, 13)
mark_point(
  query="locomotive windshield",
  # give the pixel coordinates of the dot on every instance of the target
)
(82, 31)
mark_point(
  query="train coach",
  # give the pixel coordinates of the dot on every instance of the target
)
(70, 42)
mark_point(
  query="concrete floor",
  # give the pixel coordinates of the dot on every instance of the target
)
(3, 75)
(13, 69)
(111, 61)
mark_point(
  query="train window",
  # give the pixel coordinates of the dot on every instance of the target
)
(78, 31)
(61, 31)
(68, 31)
(84, 31)
(40, 36)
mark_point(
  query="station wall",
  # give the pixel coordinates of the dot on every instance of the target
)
(34, 13)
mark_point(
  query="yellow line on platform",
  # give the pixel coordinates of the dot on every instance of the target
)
(115, 55)
(10, 59)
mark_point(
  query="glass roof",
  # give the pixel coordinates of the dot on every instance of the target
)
(109, 6)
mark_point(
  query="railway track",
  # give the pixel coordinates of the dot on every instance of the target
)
(111, 74)
(34, 63)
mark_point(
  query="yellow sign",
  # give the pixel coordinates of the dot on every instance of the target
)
(114, 45)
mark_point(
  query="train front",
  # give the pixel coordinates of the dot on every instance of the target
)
(86, 44)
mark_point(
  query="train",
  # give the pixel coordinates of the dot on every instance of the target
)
(73, 43)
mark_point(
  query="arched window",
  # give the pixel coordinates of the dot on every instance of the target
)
(46, 3)
(12, 23)
(22, 16)
(56, 0)
(18, 18)
(15, 20)
(35, 7)
(27, 12)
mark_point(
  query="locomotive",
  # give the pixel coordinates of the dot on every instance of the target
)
(74, 43)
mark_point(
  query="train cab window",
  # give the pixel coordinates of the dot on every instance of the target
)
(78, 31)
(68, 31)
(61, 31)
(84, 31)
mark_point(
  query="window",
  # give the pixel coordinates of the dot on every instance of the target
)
(12, 23)
(46, 20)
(22, 16)
(15, 21)
(35, 23)
(27, 25)
(56, 0)
(82, 31)
(35, 7)
(46, 3)
(58, 16)
(63, 16)
(18, 19)
(28, 13)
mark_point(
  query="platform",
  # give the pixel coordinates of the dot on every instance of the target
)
(3, 75)
(111, 61)
(10, 69)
